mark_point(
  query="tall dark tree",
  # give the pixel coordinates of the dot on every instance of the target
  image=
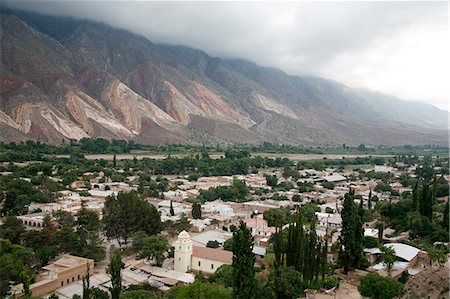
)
(243, 263)
(196, 210)
(445, 220)
(172, 212)
(415, 205)
(433, 191)
(369, 201)
(300, 250)
(352, 234)
(380, 227)
(114, 270)
(86, 284)
(425, 203)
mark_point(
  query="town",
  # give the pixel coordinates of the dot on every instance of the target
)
(186, 226)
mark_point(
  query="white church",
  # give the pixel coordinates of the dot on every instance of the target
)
(194, 258)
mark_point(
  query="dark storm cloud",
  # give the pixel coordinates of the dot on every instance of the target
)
(311, 38)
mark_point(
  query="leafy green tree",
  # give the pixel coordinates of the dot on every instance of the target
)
(243, 263)
(276, 217)
(329, 185)
(196, 210)
(138, 294)
(228, 244)
(114, 269)
(12, 229)
(437, 254)
(97, 293)
(15, 263)
(92, 247)
(88, 220)
(352, 234)
(383, 187)
(182, 224)
(297, 198)
(213, 244)
(388, 257)
(375, 286)
(271, 180)
(286, 283)
(64, 218)
(126, 214)
(154, 249)
(223, 276)
(26, 280)
(370, 242)
(200, 290)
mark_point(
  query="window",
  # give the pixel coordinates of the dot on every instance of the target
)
(73, 279)
(62, 283)
(212, 266)
(199, 263)
(78, 276)
(68, 280)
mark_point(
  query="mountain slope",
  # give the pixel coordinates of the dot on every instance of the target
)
(68, 79)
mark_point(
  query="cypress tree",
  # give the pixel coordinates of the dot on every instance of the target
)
(172, 212)
(243, 263)
(425, 203)
(196, 211)
(114, 269)
(86, 283)
(352, 234)
(433, 191)
(415, 205)
(369, 201)
(445, 221)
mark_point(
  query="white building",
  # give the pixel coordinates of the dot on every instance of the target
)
(194, 258)
(383, 168)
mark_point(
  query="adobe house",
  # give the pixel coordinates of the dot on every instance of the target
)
(66, 270)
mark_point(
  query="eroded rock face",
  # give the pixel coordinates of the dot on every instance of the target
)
(133, 108)
(36, 117)
(86, 111)
(64, 79)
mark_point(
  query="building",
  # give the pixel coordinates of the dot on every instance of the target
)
(33, 220)
(194, 258)
(64, 271)
(383, 168)
(260, 227)
(334, 178)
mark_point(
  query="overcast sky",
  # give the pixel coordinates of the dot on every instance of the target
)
(399, 48)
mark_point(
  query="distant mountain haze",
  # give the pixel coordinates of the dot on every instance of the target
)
(66, 79)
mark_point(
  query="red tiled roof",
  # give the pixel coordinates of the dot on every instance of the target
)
(213, 254)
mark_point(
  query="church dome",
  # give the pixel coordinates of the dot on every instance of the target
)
(184, 235)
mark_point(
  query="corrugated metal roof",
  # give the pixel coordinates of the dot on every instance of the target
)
(404, 251)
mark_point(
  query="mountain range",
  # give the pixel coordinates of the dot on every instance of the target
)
(63, 78)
